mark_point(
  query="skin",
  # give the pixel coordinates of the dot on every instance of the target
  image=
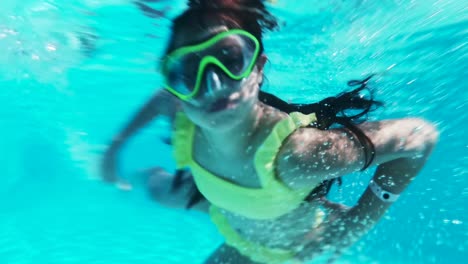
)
(308, 157)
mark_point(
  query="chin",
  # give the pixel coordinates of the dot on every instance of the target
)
(221, 119)
(226, 111)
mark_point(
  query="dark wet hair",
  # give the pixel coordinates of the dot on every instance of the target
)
(249, 15)
(332, 111)
(252, 16)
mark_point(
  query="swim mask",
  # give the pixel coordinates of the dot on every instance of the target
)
(234, 52)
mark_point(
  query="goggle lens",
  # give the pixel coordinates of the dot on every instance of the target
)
(234, 52)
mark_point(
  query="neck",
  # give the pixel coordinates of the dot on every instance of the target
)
(236, 139)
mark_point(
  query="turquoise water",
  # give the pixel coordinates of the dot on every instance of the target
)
(62, 99)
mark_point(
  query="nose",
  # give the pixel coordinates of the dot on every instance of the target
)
(212, 82)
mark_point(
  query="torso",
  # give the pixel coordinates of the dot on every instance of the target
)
(282, 232)
(286, 232)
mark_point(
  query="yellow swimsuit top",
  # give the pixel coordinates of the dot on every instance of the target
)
(272, 200)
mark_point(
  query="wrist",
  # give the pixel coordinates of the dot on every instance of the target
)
(116, 143)
(369, 207)
(382, 193)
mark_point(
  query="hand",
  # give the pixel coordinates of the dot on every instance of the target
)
(340, 230)
(108, 165)
(165, 188)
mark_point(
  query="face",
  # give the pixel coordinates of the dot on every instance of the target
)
(216, 73)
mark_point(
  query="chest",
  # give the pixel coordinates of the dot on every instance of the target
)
(228, 162)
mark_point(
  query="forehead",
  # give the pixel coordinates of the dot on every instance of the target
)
(199, 29)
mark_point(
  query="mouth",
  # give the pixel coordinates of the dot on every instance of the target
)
(221, 104)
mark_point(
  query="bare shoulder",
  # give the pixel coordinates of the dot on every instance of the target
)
(270, 116)
(310, 155)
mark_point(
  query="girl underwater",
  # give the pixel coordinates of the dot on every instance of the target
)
(259, 166)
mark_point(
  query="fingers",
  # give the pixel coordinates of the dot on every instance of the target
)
(315, 234)
(107, 171)
(308, 253)
(108, 166)
(334, 206)
(124, 186)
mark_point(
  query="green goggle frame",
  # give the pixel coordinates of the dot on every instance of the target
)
(178, 54)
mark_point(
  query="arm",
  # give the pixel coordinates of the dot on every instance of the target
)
(402, 148)
(162, 103)
(344, 226)
(311, 156)
(393, 177)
